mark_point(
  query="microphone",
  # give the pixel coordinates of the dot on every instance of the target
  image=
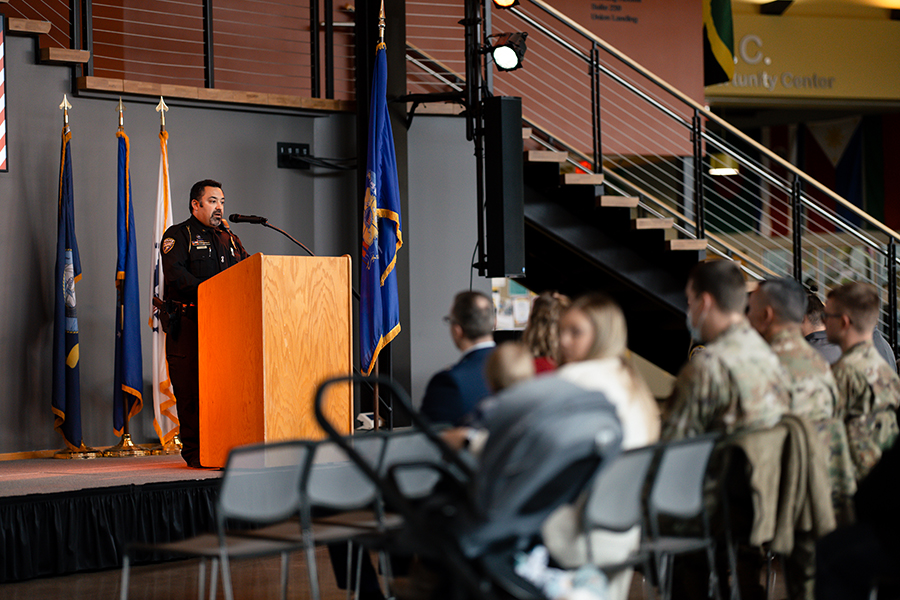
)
(248, 219)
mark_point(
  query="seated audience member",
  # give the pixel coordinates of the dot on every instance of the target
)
(541, 335)
(813, 328)
(592, 342)
(776, 309)
(454, 392)
(869, 390)
(737, 381)
(509, 364)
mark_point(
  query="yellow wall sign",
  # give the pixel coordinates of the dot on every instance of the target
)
(807, 57)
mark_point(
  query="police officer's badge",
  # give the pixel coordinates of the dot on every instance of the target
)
(167, 245)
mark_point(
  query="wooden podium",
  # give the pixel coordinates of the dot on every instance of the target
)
(271, 329)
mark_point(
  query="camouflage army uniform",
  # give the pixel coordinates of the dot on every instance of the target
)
(735, 383)
(869, 393)
(814, 395)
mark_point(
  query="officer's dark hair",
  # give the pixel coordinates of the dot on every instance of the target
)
(815, 310)
(786, 297)
(474, 313)
(197, 191)
(723, 280)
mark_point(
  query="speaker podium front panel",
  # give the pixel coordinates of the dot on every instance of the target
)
(271, 329)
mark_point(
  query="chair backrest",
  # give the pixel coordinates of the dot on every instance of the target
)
(616, 495)
(407, 448)
(261, 483)
(678, 487)
(335, 482)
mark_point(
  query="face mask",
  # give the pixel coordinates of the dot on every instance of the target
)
(695, 329)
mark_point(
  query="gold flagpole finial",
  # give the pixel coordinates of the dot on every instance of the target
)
(381, 24)
(121, 108)
(161, 108)
(65, 106)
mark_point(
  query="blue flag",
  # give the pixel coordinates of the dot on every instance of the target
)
(66, 398)
(379, 309)
(128, 382)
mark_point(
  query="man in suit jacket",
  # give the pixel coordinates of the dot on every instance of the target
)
(453, 393)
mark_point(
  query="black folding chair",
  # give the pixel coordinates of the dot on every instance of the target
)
(260, 486)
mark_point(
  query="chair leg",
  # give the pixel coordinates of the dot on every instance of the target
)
(350, 589)
(284, 575)
(212, 580)
(311, 565)
(359, 558)
(126, 568)
(226, 577)
(714, 591)
(387, 571)
(770, 575)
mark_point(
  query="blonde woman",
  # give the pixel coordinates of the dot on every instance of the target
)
(593, 352)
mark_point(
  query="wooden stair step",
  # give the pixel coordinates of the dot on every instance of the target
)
(546, 156)
(619, 201)
(652, 223)
(581, 179)
(28, 26)
(688, 244)
(526, 133)
(64, 56)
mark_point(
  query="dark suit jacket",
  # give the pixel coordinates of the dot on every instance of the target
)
(453, 393)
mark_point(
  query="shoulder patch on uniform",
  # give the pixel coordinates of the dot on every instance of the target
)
(167, 245)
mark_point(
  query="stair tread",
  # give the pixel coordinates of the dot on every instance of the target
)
(28, 26)
(652, 223)
(688, 244)
(526, 133)
(619, 201)
(581, 179)
(545, 156)
(64, 56)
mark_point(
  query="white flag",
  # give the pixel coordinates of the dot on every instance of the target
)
(165, 417)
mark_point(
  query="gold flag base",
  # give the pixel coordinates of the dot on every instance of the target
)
(125, 448)
(173, 446)
(83, 452)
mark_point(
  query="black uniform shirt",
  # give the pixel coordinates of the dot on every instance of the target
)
(192, 253)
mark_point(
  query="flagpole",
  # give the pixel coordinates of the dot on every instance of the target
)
(126, 447)
(83, 451)
(173, 446)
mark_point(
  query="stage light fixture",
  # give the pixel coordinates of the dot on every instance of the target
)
(505, 3)
(508, 51)
(723, 164)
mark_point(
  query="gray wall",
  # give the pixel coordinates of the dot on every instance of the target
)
(442, 234)
(238, 148)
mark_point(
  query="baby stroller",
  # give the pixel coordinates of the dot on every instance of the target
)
(548, 438)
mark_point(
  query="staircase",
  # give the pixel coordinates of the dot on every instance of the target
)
(618, 194)
(578, 239)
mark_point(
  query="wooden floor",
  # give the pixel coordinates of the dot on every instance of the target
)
(256, 579)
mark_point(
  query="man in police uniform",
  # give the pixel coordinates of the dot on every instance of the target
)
(192, 252)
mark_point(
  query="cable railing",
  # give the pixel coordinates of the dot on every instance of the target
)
(275, 47)
(581, 95)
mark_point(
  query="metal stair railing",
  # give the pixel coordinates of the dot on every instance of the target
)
(651, 140)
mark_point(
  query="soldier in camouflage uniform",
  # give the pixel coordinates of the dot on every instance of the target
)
(776, 310)
(736, 382)
(869, 390)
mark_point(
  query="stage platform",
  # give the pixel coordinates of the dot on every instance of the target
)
(65, 516)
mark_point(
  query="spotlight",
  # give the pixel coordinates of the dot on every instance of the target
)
(505, 3)
(508, 51)
(723, 164)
